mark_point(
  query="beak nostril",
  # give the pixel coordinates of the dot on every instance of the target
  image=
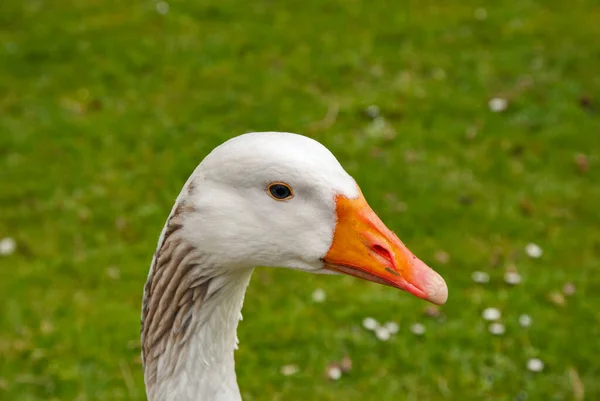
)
(384, 253)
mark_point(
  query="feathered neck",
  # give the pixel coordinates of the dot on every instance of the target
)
(190, 313)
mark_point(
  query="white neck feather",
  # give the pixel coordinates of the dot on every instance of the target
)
(206, 368)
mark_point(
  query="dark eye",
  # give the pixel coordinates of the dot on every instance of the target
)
(280, 191)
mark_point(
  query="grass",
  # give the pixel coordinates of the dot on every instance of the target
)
(107, 106)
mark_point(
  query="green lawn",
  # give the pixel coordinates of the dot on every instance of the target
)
(107, 106)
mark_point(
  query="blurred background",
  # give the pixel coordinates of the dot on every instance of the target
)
(472, 127)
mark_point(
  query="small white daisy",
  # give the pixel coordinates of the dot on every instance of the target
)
(497, 104)
(533, 250)
(334, 372)
(497, 329)
(369, 323)
(373, 111)
(417, 329)
(319, 295)
(480, 277)
(7, 246)
(525, 320)
(512, 278)
(392, 327)
(382, 333)
(491, 314)
(535, 365)
(162, 7)
(288, 370)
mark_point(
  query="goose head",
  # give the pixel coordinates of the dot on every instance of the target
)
(283, 200)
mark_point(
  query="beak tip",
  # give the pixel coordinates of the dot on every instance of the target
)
(437, 290)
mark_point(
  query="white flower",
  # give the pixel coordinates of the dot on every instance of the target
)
(382, 333)
(512, 278)
(497, 329)
(392, 327)
(288, 370)
(7, 246)
(480, 277)
(319, 295)
(162, 7)
(369, 323)
(497, 104)
(535, 365)
(525, 320)
(373, 111)
(417, 329)
(533, 251)
(491, 314)
(334, 372)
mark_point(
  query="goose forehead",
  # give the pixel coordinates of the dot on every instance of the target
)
(270, 156)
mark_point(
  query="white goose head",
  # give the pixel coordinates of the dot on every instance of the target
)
(260, 199)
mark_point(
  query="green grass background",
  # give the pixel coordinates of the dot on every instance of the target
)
(107, 106)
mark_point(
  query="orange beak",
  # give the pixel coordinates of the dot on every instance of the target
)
(364, 247)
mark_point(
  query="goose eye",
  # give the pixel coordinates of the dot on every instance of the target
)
(280, 191)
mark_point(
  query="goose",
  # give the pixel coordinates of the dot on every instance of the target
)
(268, 199)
